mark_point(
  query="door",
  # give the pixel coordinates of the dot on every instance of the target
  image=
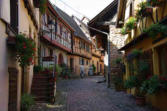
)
(13, 77)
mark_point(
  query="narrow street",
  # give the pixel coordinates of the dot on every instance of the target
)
(88, 95)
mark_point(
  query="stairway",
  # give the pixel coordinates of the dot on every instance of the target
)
(43, 87)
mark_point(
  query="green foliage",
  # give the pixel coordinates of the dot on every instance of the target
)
(123, 31)
(94, 68)
(26, 102)
(38, 69)
(25, 48)
(131, 82)
(140, 13)
(156, 29)
(154, 2)
(151, 86)
(136, 52)
(143, 67)
(43, 6)
(66, 72)
(117, 61)
(58, 69)
(131, 23)
(117, 80)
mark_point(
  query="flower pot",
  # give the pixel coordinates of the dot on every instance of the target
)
(149, 10)
(140, 100)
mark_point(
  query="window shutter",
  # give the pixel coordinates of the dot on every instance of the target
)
(14, 14)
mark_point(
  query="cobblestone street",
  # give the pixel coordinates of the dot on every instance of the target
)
(88, 95)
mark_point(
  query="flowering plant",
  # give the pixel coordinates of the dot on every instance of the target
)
(155, 2)
(25, 48)
(163, 81)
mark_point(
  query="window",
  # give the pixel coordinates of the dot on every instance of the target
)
(51, 52)
(162, 52)
(81, 61)
(58, 29)
(131, 10)
(87, 62)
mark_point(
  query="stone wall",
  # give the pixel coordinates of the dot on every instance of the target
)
(117, 41)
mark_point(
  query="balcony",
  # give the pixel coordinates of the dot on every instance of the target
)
(55, 39)
(96, 53)
(82, 53)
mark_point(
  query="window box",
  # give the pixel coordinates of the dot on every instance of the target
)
(11, 41)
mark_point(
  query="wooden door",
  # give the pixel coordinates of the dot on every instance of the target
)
(13, 77)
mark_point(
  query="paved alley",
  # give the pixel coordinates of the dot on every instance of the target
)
(88, 95)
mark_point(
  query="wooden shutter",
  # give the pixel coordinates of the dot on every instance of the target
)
(14, 15)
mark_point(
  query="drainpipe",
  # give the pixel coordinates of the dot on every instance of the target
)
(109, 54)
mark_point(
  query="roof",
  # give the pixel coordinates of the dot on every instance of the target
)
(141, 37)
(68, 19)
(107, 13)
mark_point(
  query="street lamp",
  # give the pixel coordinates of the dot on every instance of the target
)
(109, 53)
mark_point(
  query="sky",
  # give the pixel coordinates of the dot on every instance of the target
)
(88, 8)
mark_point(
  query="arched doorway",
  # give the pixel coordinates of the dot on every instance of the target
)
(61, 59)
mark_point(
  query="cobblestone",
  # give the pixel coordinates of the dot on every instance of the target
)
(88, 95)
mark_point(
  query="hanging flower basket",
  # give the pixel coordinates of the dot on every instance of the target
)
(25, 48)
(155, 3)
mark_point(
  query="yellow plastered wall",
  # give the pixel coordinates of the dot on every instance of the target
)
(158, 100)
(25, 25)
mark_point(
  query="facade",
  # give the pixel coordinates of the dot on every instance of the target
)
(13, 14)
(56, 36)
(97, 58)
(106, 21)
(82, 48)
(153, 48)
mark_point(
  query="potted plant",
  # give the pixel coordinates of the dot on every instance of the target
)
(163, 82)
(27, 101)
(94, 68)
(42, 6)
(155, 2)
(134, 54)
(129, 25)
(124, 31)
(58, 71)
(156, 30)
(38, 69)
(118, 82)
(137, 80)
(151, 85)
(144, 9)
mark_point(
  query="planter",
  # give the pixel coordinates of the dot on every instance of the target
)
(36, 3)
(148, 11)
(140, 100)
(157, 3)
